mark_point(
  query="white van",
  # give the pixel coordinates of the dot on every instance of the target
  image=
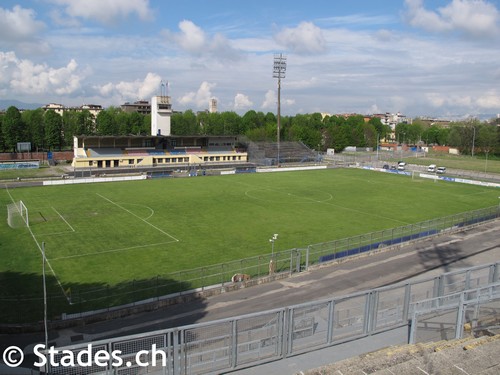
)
(431, 168)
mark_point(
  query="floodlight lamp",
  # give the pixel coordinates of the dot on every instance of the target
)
(279, 67)
(275, 236)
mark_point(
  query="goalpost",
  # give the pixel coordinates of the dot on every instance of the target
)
(17, 215)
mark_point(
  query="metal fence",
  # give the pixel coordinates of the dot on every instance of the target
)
(239, 342)
(448, 317)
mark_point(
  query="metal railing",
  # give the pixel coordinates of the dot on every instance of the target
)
(448, 317)
(248, 340)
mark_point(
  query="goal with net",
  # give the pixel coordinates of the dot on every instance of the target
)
(17, 215)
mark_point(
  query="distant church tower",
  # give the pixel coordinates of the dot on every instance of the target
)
(212, 107)
(161, 111)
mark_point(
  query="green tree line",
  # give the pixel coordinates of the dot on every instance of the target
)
(47, 130)
(470, 136)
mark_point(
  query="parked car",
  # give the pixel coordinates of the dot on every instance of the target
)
(431, 168)
(386, 166)
(441, 170)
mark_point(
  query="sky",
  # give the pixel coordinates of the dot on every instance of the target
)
(436, 58)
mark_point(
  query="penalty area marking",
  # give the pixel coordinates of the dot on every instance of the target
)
(43, 253)
(63, 219)
(138, 217)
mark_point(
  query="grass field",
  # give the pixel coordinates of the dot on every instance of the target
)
(111, 233)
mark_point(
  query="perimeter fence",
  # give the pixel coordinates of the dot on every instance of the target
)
(88, 301)
(249, 340)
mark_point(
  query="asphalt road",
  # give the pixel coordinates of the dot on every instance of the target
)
(427, 258)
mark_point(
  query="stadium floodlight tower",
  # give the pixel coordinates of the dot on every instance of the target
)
(279, 70)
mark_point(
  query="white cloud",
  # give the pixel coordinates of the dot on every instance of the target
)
(106, 90)
(489, 100)
(242, 101)
(106, 11)
(19, 24)
(476, 18)
(23, 76)
(305, 38)
(192, 39)
(270, 100)
(132, 90)
(199, 98)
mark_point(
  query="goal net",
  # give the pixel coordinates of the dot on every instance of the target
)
(17, 215)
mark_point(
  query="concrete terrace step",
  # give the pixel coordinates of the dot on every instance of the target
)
(464, 356)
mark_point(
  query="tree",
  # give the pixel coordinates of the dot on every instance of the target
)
(122, 121)
(252, 120)
(13, 128)
(35, 127)
(402, 131)
(53, 129)
(487, 139)
(414, 133)
(2, 142)
(190, 123)
(105, 123)
(231, 123)
(463, 135)
(137, 124)
(382, 130)
(86, 123)
(356, 130)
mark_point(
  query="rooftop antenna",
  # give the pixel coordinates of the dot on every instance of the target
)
(162, 88)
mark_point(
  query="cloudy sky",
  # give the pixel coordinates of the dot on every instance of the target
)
(418, 57)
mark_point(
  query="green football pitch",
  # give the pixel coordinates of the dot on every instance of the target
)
(111, 233)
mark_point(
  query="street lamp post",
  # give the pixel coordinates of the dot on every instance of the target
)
(272, 240)
(279, 69)
(378, 142)
(272, 265)
(473, 139)
(45, 304)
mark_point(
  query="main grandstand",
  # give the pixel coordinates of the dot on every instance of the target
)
(162, 151)
(155, 151)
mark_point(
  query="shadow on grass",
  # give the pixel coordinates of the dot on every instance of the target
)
(22, 299)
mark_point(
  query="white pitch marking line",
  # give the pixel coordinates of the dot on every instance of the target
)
(42, 252)
(63, 219)
(140, 218)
